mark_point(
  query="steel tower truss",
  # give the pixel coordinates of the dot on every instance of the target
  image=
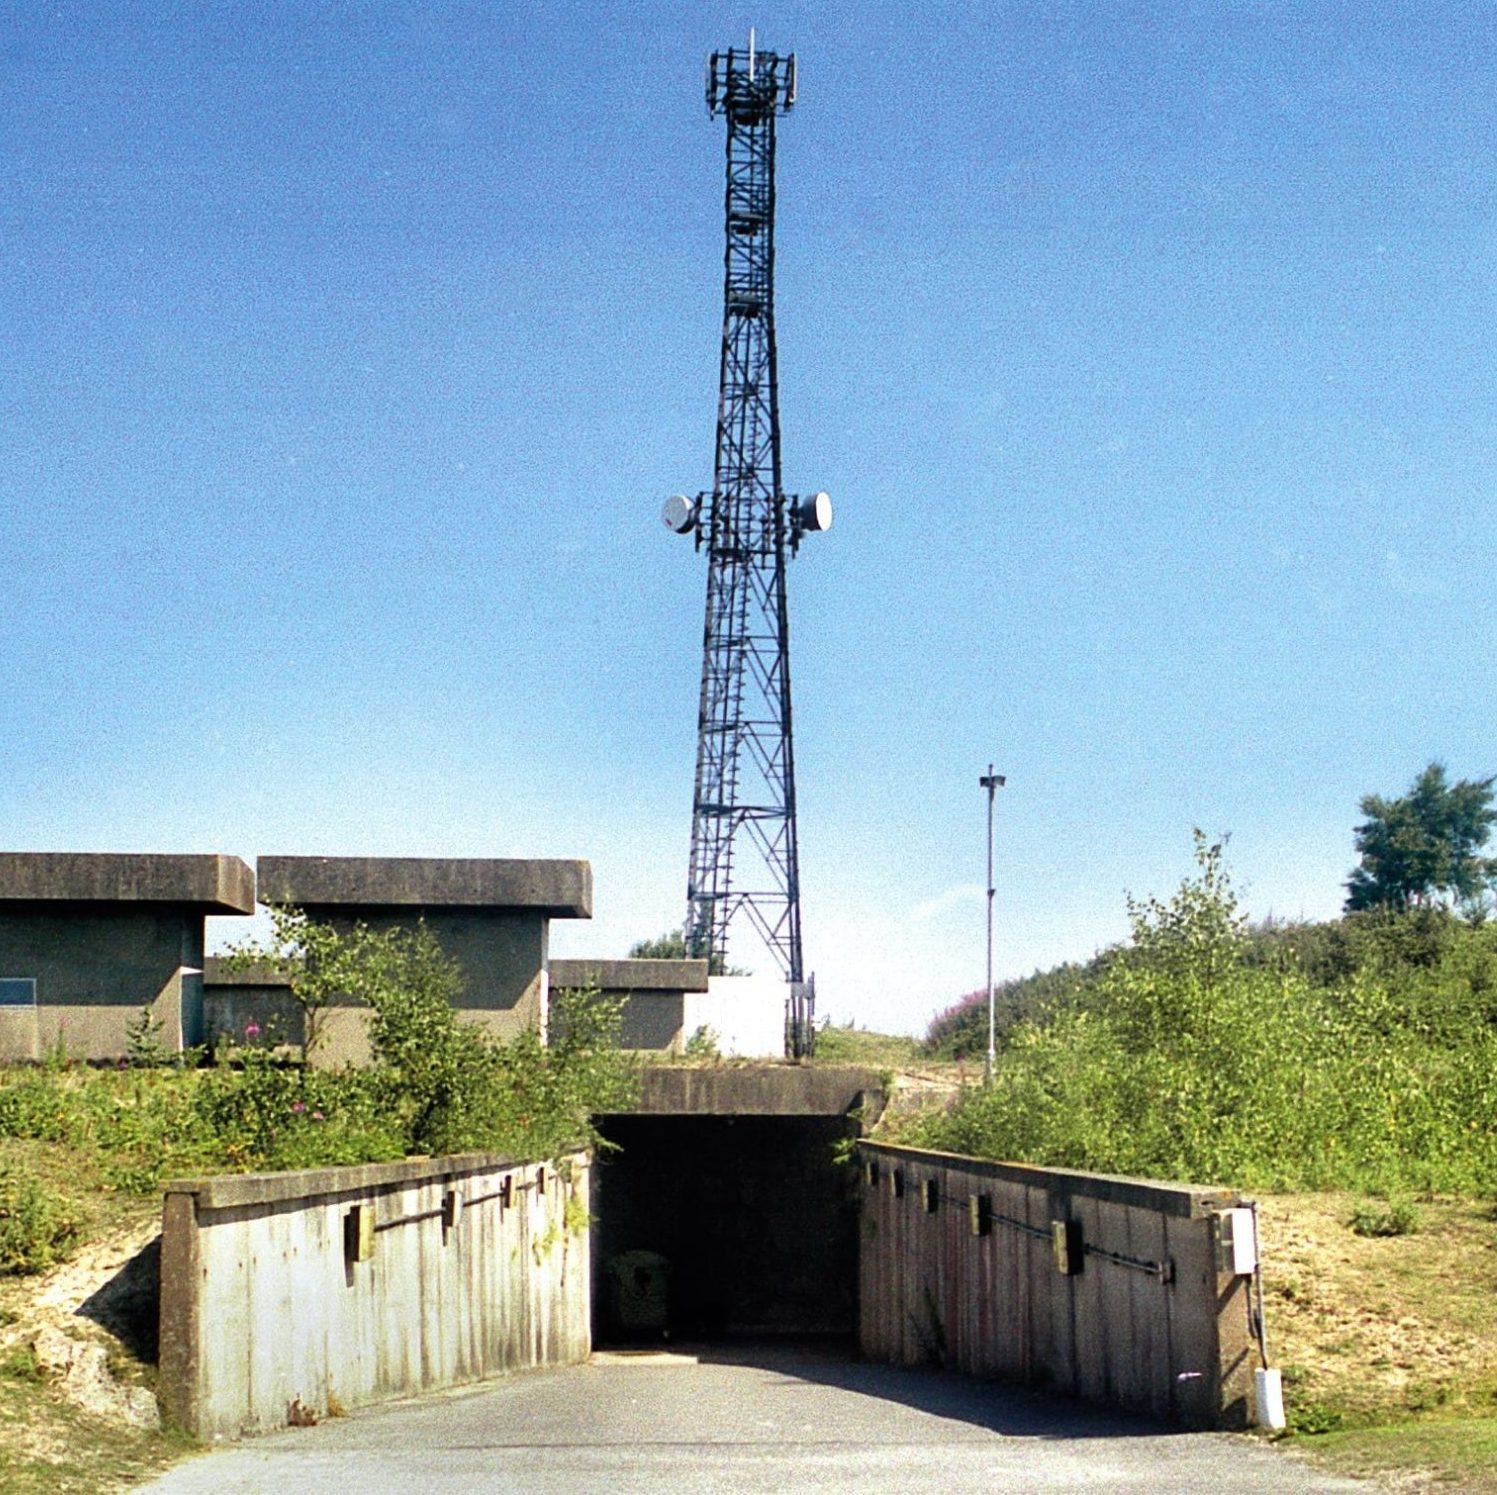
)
(744, 852)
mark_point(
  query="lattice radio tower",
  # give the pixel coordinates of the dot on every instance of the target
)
(744, 852)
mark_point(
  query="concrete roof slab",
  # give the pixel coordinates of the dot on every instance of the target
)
(560, 889)
(765, 1089)
(631, 975)
(209, 883)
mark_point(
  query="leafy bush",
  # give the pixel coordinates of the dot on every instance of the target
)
(36, 1228)
(1193, 1056)
(702, 1044)
(961, 1030)
(1397, 1217)
(438, 1083)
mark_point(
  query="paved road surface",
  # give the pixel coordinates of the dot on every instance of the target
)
(777, 1420)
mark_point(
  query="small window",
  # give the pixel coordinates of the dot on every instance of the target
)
(17, 991)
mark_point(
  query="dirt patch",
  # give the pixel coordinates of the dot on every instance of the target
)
(1368, 1328)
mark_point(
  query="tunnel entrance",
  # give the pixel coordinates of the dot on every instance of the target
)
(710, 1226)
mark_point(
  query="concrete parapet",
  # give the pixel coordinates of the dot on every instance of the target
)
(285, 1296)
(557, 889)
(210, 884)
(1101, 1287)
(758, 1090)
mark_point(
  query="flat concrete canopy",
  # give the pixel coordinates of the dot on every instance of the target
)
(558, 889)
(757, 1090)
(631, 975)
(208, 884)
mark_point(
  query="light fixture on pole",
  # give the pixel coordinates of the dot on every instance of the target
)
(992, 782)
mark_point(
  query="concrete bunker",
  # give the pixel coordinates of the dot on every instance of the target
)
(731, 1196)
(90, 940)
(656, 995)
(492, 916)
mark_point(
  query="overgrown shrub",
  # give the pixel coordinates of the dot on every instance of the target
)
(37, 1228)
(1385, 1218)
(961, 1030)
(1194, 1057)
(438, 1083)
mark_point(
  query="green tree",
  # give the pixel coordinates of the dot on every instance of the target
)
(669, 946)
(1424, 846)
(672, 946)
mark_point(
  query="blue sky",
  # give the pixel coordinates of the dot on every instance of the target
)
(1146, 351)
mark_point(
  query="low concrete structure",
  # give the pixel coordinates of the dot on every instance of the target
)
(1105, 1288)
(491, 916)
(655, 995)
(256, 997)
(285, 1296)
(89, 941)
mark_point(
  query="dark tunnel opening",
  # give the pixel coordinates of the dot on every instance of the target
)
(712, 1227)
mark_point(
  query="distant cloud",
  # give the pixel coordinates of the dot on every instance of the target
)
(959, 895)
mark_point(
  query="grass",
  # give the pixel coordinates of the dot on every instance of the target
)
(1454, 1456)
(836, 1044)
(1387, 1342)
(49, 1447)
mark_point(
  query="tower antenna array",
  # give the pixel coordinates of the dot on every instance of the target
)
(744, 850)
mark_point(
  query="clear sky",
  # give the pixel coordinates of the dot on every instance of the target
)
(349, 351)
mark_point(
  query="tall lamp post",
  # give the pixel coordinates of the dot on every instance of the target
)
(992, 782)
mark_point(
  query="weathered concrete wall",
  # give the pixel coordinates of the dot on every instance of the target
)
(557, 888)
(270, 1309)
(654, 994)
(1147, 1323)
(760, 1090)
(209, 882)
(259, 995)
(491, 916)
(95, 969)
(97, 938)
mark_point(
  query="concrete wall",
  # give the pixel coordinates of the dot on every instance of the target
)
(503, 959)
(476, 1266)
(261, 996)
(1148, 1323)
(95, 969)
(104, 936)
(654, 992)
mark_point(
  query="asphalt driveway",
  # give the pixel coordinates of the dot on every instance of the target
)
(773, 1419)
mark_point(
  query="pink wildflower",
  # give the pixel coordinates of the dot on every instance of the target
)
(252, 1029)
